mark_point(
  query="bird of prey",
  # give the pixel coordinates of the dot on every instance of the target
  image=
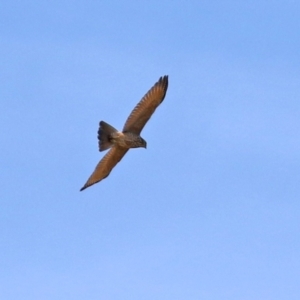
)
(120, 142)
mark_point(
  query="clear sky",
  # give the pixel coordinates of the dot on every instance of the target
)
(211, 210)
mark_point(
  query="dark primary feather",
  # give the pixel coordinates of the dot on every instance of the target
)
(146, 107)
(106, 164)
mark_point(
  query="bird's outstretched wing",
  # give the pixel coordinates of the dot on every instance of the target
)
(146, 107)
(106, 164)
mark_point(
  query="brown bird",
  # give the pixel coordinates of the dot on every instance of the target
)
(121, 141)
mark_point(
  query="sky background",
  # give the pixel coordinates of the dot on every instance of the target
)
(211, 210)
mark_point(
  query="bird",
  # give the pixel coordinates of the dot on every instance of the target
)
(119, 142)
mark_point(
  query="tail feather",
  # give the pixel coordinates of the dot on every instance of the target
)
(104, 135)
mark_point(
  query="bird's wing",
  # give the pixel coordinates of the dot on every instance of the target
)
(146, 107)
(106, 164)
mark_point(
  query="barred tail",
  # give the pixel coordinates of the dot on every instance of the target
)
(104, 135)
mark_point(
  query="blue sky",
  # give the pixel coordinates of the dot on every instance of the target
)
(210, 210)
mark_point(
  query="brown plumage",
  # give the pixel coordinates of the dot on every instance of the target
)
(121, 142)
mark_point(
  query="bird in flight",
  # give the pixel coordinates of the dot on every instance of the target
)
(120, 142)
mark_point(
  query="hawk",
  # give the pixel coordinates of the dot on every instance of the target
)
(120, 142)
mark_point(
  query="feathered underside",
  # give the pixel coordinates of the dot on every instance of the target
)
(106, 164)
(109, 137)
(146, 107)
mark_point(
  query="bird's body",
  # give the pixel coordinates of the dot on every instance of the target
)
(121, 142)
(127, 140)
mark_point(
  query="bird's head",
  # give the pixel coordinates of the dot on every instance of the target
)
(143, 143)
